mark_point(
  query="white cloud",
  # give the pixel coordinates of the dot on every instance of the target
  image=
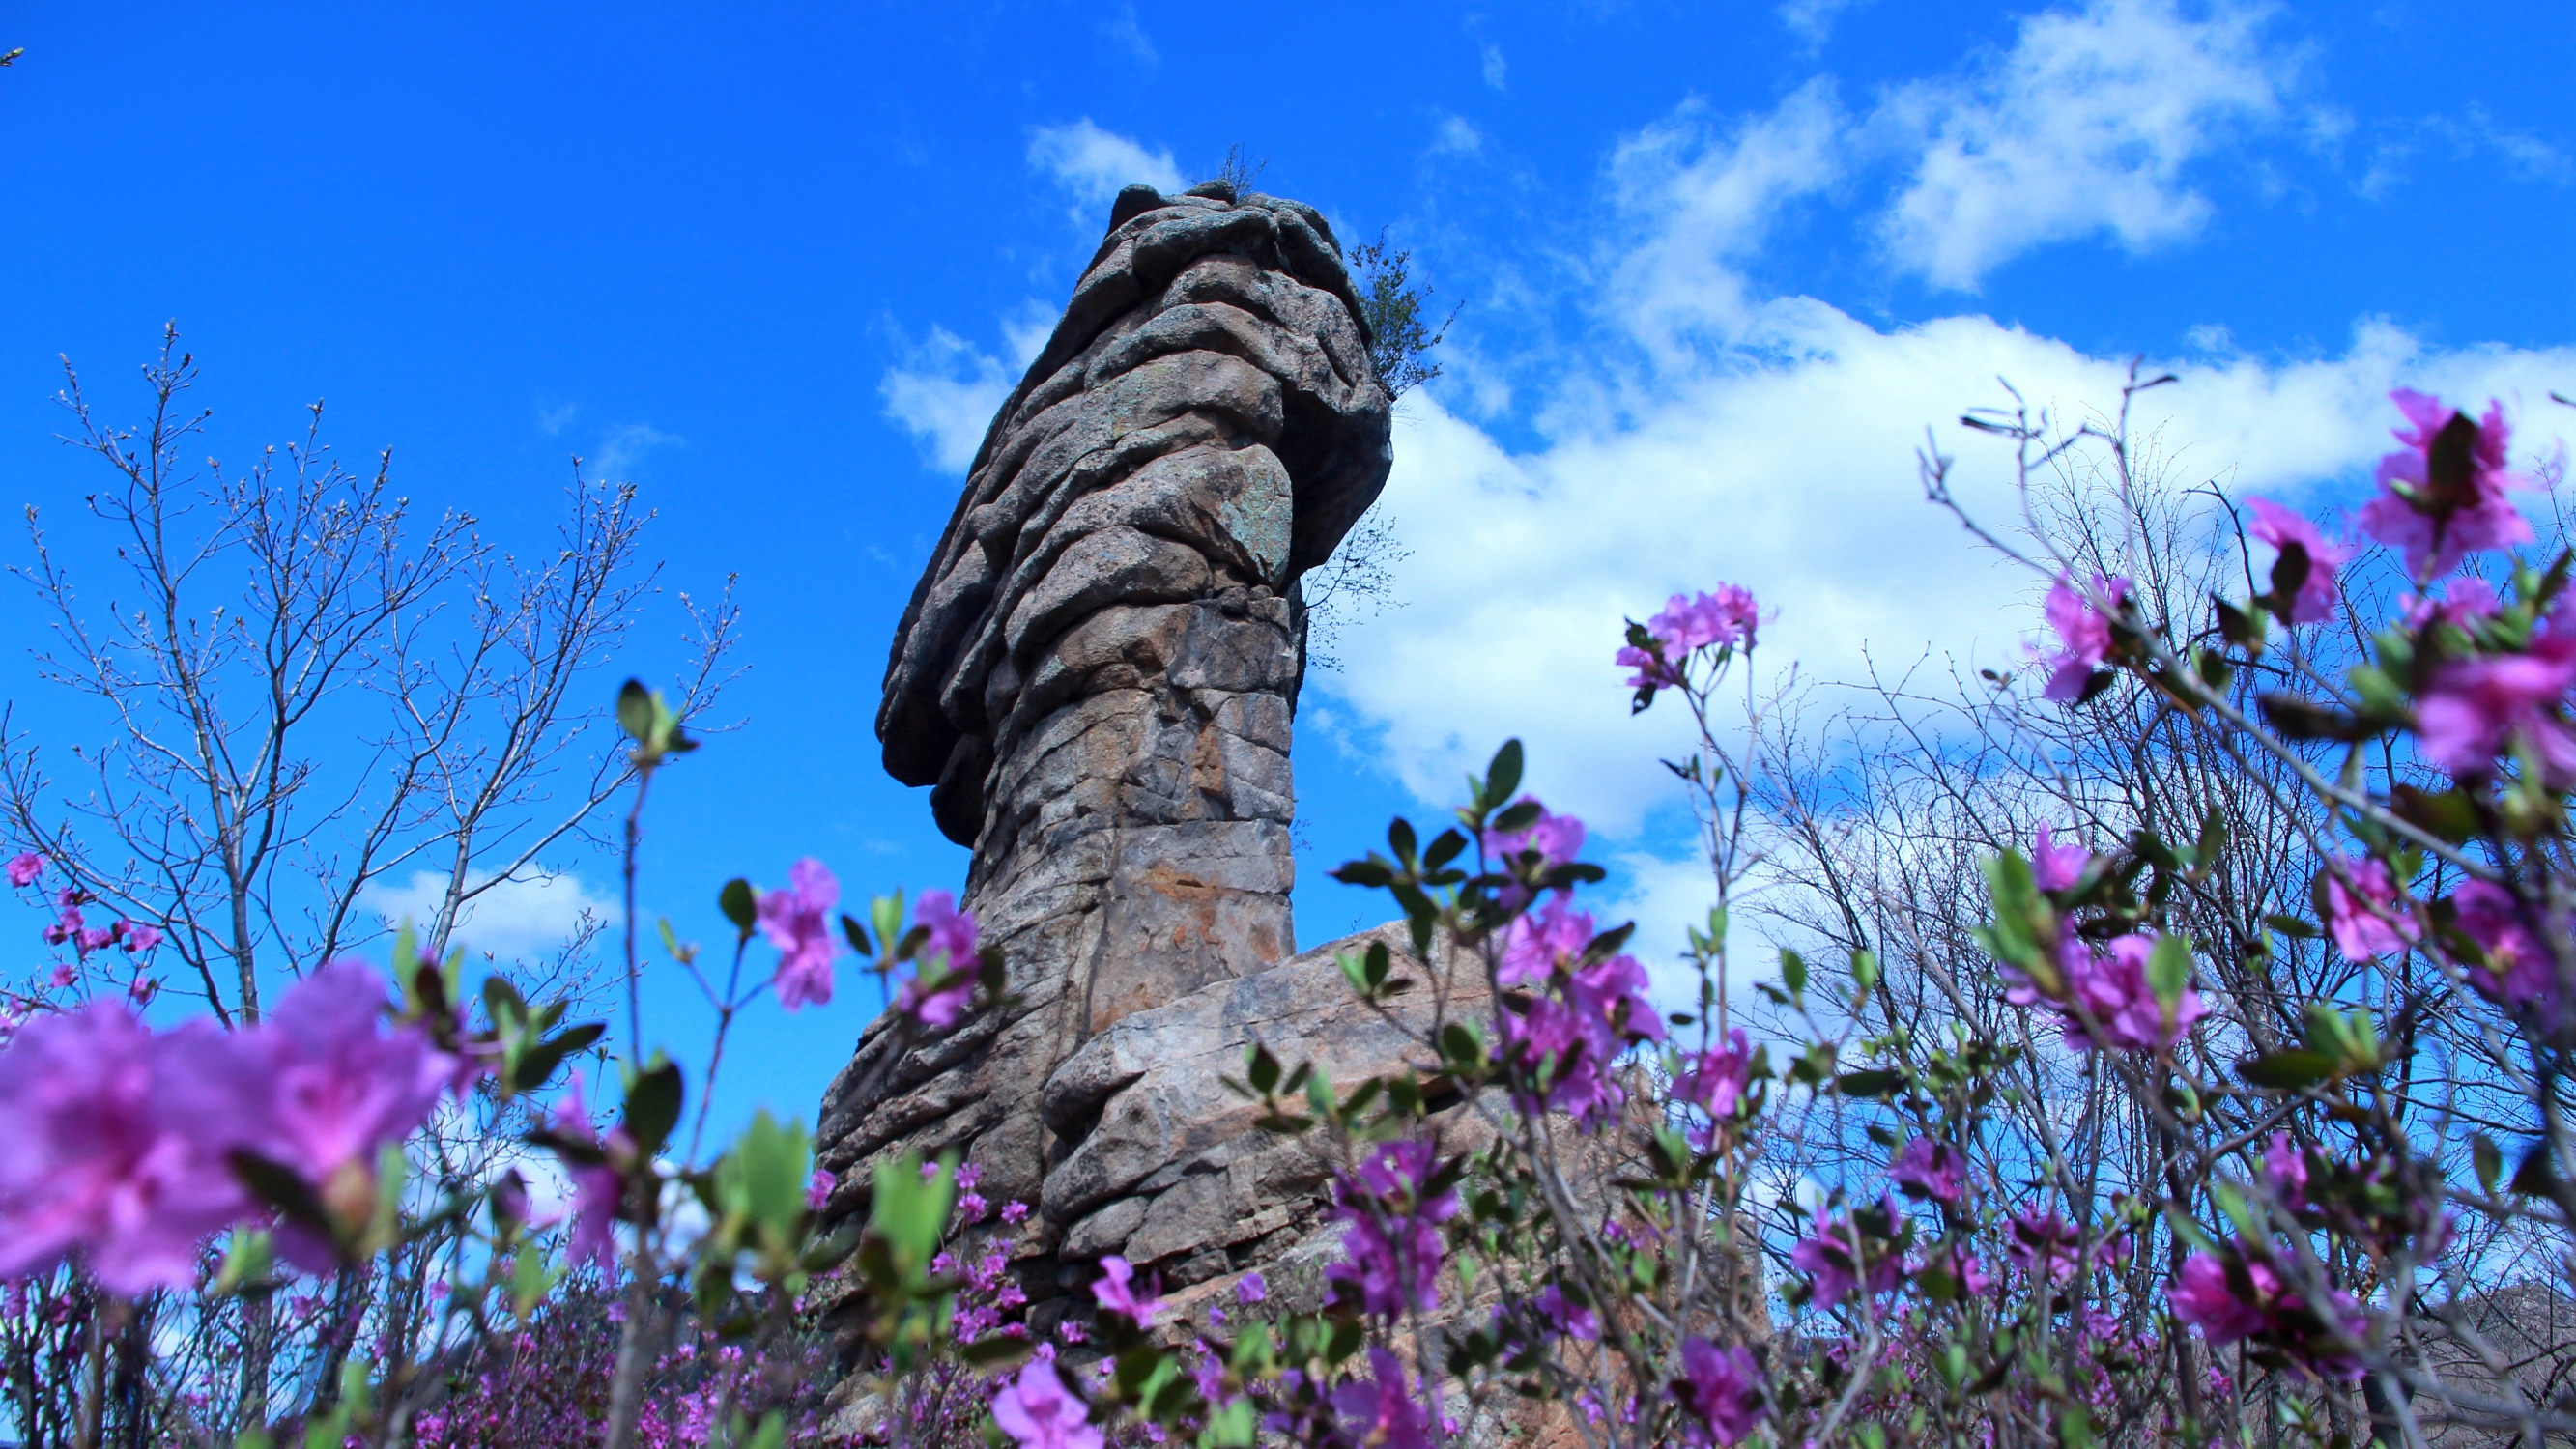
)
(1092, 165)
(1496, 72)
(1813, 20)
(2084, 127)
(1456, 136)
(1123, 32)
(522, 919)
(945, 394)
(1787, 465)
(618, 452)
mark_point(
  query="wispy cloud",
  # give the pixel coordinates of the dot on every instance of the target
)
(1092, 164)
(1123, 32)
(2084, 127)
(1456, 136)
(522, 919)
(2470, 134)
(1497, 72)
(945, 393)
(1813, 20)
(622, 448)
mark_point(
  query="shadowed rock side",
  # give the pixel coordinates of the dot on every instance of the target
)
(1096, 677)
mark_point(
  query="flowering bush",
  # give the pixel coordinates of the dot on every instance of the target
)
(2126, 1136)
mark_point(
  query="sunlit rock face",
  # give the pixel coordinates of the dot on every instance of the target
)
(1096, 677)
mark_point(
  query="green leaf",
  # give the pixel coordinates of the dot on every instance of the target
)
(635, 710)
(739, 905)
(1503, 776)
(653, 1106)
(1864, 970)
(2168, 972)
(2287, 1071)
(2534, 1177)
(1444, 850)
(856, 935)
(2489, 1160)
(537, 1064)
(1516, 818)
(1793, 972)
(1873, 1082)
(1262, 1068)
(2297, 928)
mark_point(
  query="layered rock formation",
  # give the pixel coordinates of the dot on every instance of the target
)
(1096, 677)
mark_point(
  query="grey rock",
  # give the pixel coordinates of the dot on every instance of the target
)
(1097, 676)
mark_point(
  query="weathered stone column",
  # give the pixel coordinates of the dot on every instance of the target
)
(1098, 670)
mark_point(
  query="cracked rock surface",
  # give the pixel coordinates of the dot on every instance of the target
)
(1097, 677)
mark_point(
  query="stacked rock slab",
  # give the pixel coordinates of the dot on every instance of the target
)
(1096, 678)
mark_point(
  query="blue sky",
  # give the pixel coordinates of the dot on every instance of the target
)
(1719, 266)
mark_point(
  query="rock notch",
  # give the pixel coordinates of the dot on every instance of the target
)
(1096, 678)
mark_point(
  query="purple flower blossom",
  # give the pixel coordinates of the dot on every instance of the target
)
(798, 921)
(818, 1189)
(2462, 602)
(1534, 946)
(2230, 1296)
(1931, 1170)
(1039, 1412)
(1722, 1387)
(339, 1089)
(1721, 619)
(1832, 1271)
(1111, 1291)
(943, 985)
(24, 869)
(2083, 633)
(1558, 839)
(1392, 1246)
(2440, 520)
(1715, 1083)
(139, 937)
(1379, 1411)
(1251, 1288)
(115, 1145)
(1565, 1317)
(2056, 867)
(2044, 1245)
(2519, 972)
(2473, 710)
(1962, 1268)
(2294, 535)
(1015, 1213)
(2110, 982)
(2287, 1168)
(2359, 931)
(599, 1188)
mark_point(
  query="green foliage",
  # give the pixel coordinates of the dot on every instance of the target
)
(1397, 310)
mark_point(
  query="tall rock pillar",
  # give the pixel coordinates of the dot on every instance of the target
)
(1098, 670)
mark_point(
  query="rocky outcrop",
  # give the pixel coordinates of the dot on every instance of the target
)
(1096, 677)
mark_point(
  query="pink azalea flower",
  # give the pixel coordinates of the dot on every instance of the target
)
(1963, 1268)
(2519, 972)
(1566, 1317)
(952, 931)
(1723, 618)
(140, 938)
(1112, 1292)
(2292, 533)
(2083, 634)
(1832, 1273)
(24, 869)
(1015, 1213)
(1380, 1411)
(1039, 1412)
(1931, 1170)
(1722, 1387)
(2110, 980)
(2462, 602)
(2475, 709)
(1558, 839)
(2360, 932)
(1392, 1244)
(798, 921)
(1715, 1084)
(2044, 1246)
(1534, 946)
(1251, 1288)
(2056, 867)
(2225, 1308)
(115, 1145)
(2287, 1167)
(2441, 521)
(818, 1190)
(599, 1189)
